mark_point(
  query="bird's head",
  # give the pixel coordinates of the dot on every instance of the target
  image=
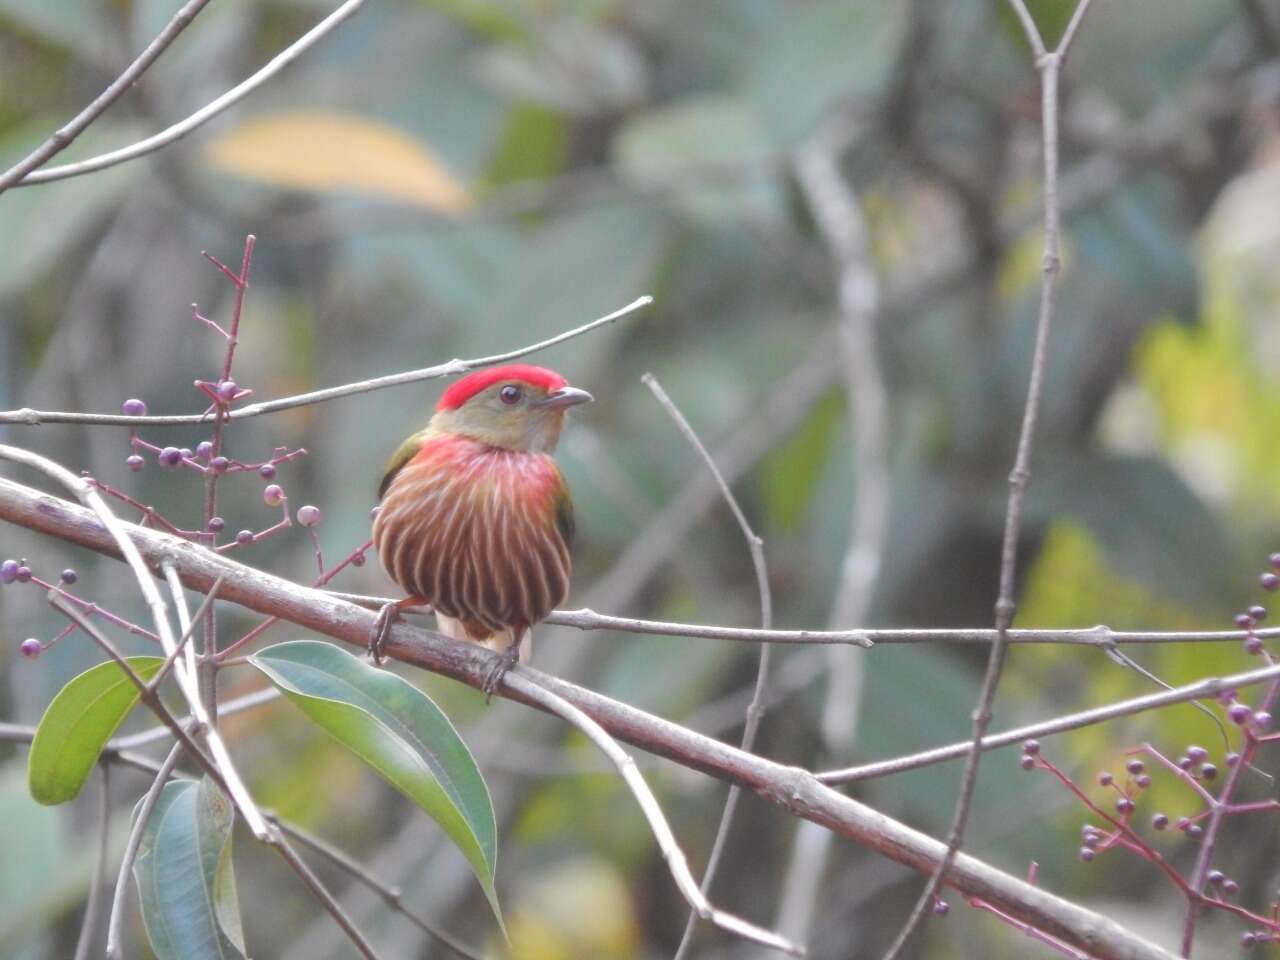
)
(520, 407)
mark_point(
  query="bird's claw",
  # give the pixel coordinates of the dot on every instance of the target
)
(498, 669)
(387, 616)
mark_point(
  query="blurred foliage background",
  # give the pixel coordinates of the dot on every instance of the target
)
(446, 178)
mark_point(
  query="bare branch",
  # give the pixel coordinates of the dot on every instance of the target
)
(1048, 65)
(756, 708)
(671, 852)
(31, 417)
(1206, 689)
(65, 135)
(206, 113)
(788, 788)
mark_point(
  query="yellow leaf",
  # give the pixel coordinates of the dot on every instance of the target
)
(332, 152)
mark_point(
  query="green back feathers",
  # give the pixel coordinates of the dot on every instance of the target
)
(406, 452)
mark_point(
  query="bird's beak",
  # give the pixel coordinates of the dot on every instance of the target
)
(564, 397)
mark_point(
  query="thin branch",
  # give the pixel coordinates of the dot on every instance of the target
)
(1207, 688)
(756, 708)
(149, 801)
(318, 890)
(391, 895)
(789, 788)
(206, 113)
(1048, 65)
(65, 135)
(31, 417)
(237, 705)
(671, 852)
(1102, 636)
(85, 942)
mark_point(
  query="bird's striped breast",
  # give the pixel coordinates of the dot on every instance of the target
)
(479, 532)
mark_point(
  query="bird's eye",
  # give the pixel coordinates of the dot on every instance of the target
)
(510, 394)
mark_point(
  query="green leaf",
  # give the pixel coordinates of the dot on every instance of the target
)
(186, 885)
(77, 725)
(397, 730)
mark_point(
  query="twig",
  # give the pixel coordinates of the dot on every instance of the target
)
(1102, 636)
(31, 417)
(238, 705)
(1202, 689)
(1049, 65)
(391, 895)
(65, 135)
(788, 788)
(94, 906)
(206, 113)
(756, 708)
(671, 851)
(149, 801)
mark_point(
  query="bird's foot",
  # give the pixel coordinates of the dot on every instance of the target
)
(498, 669)
(387, 616)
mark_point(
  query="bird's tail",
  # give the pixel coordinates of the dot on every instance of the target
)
(497, 642)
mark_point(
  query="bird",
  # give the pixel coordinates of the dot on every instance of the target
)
(475, 519)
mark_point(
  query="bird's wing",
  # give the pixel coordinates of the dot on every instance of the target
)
(406, 452)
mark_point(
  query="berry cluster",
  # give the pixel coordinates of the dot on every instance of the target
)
(1205, 886)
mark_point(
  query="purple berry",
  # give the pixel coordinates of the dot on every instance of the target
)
(1031, 747)
(134, 407)
(1105, 779)
(1248, 939)
(358, 560)
(1269, 581)
(204, 449)
(30, 648)
(1185, 763)
(308, 516)
(1215, 878)
(1244, 621)
(1274, 560)
(1027, 763)
(8, 571)
(1253, 646)
(134, 462)
(941, 908)
(1124, 805)
(227, 390)
(186, 452)
(1087, 854)
(1262, 719)
(1232, 759)
(1208, 771)
(1134, 766)
(1240, 713)
(1230, 887)
(170, 457)
(23, 573)
(1194, 831)
(1091, 840)
(68, 576)
(1258, 612)
(244, 537)
(1143, 780)
(219, 464)
(1197, 753)
(272, 495)
(1184, 823)
(216, 525)
(1159, 821)
(267, 471)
